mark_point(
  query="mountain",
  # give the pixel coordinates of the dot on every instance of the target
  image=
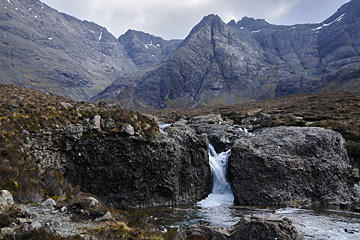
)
(41, 48)
(248, 60)
(146, 50)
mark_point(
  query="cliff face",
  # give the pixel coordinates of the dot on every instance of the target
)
(222, 63)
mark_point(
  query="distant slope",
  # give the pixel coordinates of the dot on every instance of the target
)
(222, 63)
(43, 49)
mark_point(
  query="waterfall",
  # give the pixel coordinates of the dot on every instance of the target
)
(221, 191)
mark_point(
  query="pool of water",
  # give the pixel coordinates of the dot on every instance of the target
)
(313, 224)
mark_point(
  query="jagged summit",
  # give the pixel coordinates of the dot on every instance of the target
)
(252, 22)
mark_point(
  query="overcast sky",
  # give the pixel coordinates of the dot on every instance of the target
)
(175, 18)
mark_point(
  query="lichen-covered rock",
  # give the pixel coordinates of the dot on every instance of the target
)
(290, 166)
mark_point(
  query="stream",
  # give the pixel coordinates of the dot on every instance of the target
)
(218, 210)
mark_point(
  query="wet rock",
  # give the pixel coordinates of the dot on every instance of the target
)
(49, 204)
(128, 129)
(254, 228)
(290, 166)
(6, 200)
(106, 217)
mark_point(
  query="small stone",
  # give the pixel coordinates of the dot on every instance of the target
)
(92, 201)
(66, 105)
(63, 209)
(49, 204)
(128, 129)
(6, 199)
(106, 217)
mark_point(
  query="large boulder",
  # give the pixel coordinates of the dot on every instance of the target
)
(254, 228)
(134, 171)
(290, 166)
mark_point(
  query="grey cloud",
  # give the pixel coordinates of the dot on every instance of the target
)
(174, 19)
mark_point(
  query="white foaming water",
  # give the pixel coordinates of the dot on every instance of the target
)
(216, 207)
(221, 191)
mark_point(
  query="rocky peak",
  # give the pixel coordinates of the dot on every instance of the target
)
(145, 49)
(247, 22)
(232, 23)
(209, 21)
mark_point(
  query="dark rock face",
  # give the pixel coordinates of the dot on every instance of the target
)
(254, 228)
(146, 50)
(290, 166)
(43, 49)
(129, 171)
(222, 63)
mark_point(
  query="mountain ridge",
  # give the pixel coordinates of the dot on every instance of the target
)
(217, 63)
(250, 60)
